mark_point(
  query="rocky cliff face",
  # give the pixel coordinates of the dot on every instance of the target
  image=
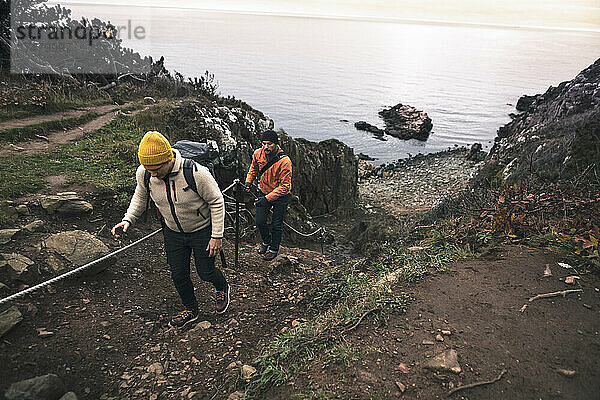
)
(325, 174)
(557, 137)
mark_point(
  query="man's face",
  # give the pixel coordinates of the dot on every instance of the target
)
(161, 170)
(269, 146)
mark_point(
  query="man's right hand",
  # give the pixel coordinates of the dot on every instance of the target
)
(247, 186)
(122, 224)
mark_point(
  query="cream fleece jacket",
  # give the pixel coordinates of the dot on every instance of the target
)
(182, 209)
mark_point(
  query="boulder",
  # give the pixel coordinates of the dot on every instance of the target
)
(69, 396)
(67, 203)
(74, 248)
(6, 235)
(475, 153)
(46, 387)
(406, 122)
(8, 319)
(17, 263)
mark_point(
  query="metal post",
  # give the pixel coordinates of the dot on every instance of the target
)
(237, 222)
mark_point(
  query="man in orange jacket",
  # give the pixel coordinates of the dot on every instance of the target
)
(273, 169)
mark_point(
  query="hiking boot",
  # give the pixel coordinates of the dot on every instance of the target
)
(222, 299)
(263, 248)
(183, 318)
(270, 255)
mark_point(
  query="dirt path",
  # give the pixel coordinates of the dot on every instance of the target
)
(111, 335)
(478, 303)
(19, 123)
(62, 137)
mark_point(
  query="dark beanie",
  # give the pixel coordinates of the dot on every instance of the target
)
(270, 136)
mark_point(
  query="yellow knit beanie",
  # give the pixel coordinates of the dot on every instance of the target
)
(154, 149)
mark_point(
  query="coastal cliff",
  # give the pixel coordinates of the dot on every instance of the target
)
(557, 137)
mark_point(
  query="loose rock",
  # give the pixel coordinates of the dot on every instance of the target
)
(34, 226)
(8, 319)
(17, 262)
(445, 362)
(42, 387)
(248, 372)
(6, 235)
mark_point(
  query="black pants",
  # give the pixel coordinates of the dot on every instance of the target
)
(272, 236)
(178, 247)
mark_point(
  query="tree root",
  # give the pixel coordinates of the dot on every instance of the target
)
(471, 385)
(553, 294)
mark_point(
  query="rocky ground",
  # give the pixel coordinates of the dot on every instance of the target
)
(417, 184)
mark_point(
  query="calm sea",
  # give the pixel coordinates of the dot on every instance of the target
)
(308, 74)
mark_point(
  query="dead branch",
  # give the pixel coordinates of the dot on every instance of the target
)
(471, 385)
(554, 294)
(43, 138)
(360, 319)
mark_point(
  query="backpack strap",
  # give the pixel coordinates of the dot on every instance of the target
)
(277, 157)
(147, 185)
(189, 166)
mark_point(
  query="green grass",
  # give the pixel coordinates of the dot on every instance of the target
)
(44, 128)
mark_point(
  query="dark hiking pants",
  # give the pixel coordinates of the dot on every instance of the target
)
(179, 247)
(272, 236)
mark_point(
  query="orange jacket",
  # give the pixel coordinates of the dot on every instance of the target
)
(277, 180)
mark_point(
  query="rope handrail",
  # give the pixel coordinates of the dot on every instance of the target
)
(94, 262)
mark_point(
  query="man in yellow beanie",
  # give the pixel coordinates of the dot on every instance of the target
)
(192, 220)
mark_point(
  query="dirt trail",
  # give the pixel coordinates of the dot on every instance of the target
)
(37, 146)
(478, 304)
(20, 123)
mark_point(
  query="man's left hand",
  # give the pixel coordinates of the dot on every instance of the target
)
(262, 202)
(214, 245)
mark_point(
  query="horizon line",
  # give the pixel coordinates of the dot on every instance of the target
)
(342, 17)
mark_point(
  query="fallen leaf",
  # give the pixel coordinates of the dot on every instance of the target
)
(565, 265)
(547, 271)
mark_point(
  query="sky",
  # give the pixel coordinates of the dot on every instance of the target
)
(557, 14)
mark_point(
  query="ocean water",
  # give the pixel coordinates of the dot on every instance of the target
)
(308, 74)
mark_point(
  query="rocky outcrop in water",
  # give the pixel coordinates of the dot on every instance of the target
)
(365, 126)
(406, 122)
(558, 137)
